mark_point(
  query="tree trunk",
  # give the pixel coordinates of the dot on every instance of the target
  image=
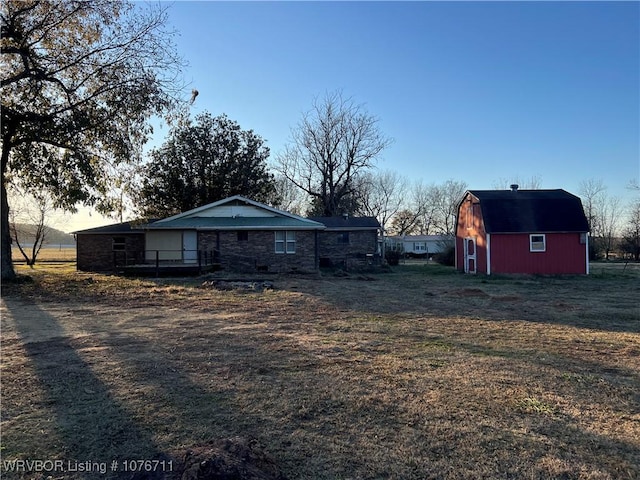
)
(6, 263)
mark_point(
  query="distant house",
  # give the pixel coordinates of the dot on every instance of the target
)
(235, 233)
(348, 241)
(419, 245)
(521, 231)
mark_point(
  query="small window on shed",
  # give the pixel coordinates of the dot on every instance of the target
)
(119, 243)
(243, 236)
(537, 243)
(343, 238)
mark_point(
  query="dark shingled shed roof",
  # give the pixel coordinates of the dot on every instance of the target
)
(534, 211)
(125, 227)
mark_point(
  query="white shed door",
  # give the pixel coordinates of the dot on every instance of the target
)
(190, 246)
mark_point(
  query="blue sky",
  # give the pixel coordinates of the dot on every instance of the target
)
(474, 91)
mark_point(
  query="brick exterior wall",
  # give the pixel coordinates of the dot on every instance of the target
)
(257, 252)
(334, 252)
(95, 253)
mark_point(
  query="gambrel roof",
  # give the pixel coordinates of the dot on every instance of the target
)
(531, 211)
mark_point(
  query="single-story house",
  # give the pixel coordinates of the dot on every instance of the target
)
(235, 233)
(348, 241)
(521, 231)
(418, 245)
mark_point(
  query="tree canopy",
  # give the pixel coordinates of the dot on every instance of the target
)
(80, 80)
(202, 161)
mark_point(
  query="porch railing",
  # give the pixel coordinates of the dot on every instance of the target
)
(165, 258)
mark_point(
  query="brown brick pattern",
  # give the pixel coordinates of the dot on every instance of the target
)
(257, 252)
(338, 253)
(95, 253)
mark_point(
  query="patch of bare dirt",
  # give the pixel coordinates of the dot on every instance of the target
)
(469, 292)
(230, 459)
(239, 285)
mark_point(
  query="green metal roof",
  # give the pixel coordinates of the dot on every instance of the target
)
(238, 223)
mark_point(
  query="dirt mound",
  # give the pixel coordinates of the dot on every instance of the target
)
(239, 285)
(470, 292)
(230, 459)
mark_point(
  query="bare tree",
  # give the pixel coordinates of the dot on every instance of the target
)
(593, 194)
(29, 223)
(435, 206)
(381, 195)
(631, 234)
(424, 205)
(610, 220)
(333, 143)
(405, 222)
(532, 183)
(447, 198)
(289, 197)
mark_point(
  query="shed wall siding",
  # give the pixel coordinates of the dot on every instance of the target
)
(470, 225)
(564, 254)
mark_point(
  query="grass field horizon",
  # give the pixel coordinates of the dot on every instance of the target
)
(415, 374)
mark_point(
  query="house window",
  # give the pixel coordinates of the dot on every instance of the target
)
(119, 243)
(243, 236)
(343, 238)
(285, 242)
(537, 243)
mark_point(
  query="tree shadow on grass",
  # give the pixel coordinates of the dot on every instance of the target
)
(92, 425)
(321, 419)
(607, 305)
(303, 420)
(150, 409)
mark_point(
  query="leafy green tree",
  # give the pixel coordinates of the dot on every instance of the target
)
(204, 161)
(79, 81)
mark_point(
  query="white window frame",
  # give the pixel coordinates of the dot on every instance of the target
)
(285, 242)
(536, 246)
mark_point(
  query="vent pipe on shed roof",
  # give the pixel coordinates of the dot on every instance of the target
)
(514, 187)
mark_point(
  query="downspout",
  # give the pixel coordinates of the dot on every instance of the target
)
(317, 250)
(488, 254)
(586, 245)
(455, 251)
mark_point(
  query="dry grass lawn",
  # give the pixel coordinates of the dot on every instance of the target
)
(416, 374)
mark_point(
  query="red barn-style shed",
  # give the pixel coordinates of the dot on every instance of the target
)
(521, 231)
